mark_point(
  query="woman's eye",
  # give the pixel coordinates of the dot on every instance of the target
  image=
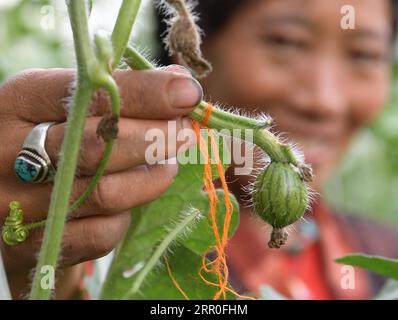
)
(283, 41)
(366, 56)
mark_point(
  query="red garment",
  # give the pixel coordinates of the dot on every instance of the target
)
(309, 273)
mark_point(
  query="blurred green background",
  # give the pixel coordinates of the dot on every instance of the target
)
(36, 33)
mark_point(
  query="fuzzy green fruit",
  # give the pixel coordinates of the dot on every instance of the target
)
(280, 198)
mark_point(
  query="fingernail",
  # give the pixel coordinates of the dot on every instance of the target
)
(185, 92)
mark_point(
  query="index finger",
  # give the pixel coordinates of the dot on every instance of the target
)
(40, 95)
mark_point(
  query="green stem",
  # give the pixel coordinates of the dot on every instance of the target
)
(125, 21)
(87, 62)
(135, 60)
(161, 249)
(122, 30)
(70, 149)
(120, 36)
(100, 171)
(35, 225)
(221, 120)
(110, 85)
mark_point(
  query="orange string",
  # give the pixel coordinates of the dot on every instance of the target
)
(228, 212)
(213, 200)
(218, 266)
(174, 280)
(208, 112)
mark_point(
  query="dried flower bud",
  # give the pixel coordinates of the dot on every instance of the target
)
(184, 40)
(108, 127)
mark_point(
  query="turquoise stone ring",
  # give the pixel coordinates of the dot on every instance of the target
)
(33, 163)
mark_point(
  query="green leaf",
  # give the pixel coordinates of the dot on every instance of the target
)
(184, 265)
(179, 230)
(382, 266)
(150, 224)
(202, 236)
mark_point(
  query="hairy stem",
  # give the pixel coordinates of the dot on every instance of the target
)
(135, 60)
(221, 120)
(161, 249)
(112, 88)
(86, 85)
(70, 150)
(120, 36)
(122, 30)
(100, 171)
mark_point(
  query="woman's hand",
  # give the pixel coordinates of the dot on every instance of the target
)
(149, 100)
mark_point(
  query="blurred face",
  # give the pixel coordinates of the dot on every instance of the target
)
(293, 60)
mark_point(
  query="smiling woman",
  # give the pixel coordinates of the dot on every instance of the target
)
(321, 84)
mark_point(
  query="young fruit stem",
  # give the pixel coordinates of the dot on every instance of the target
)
(221, 120)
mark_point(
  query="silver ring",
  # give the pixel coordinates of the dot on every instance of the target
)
(33, 163)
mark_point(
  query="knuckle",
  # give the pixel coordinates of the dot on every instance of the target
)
(102, 197)
(102, 242)
(146, 90)
(25, 81)
(164, 177)
(26, 76)
(20, 83)
(105, 236)
(138, 95)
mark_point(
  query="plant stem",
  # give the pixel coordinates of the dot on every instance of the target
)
(70, 149)
(125, 21)
(100, 171)
(161, 249)
(222, 120)
(35, 225)
(135, 60)
(86, 86)
(110, 85)
(120, 37)
(122, 30)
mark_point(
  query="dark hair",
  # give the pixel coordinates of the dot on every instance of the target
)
(214, 14)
